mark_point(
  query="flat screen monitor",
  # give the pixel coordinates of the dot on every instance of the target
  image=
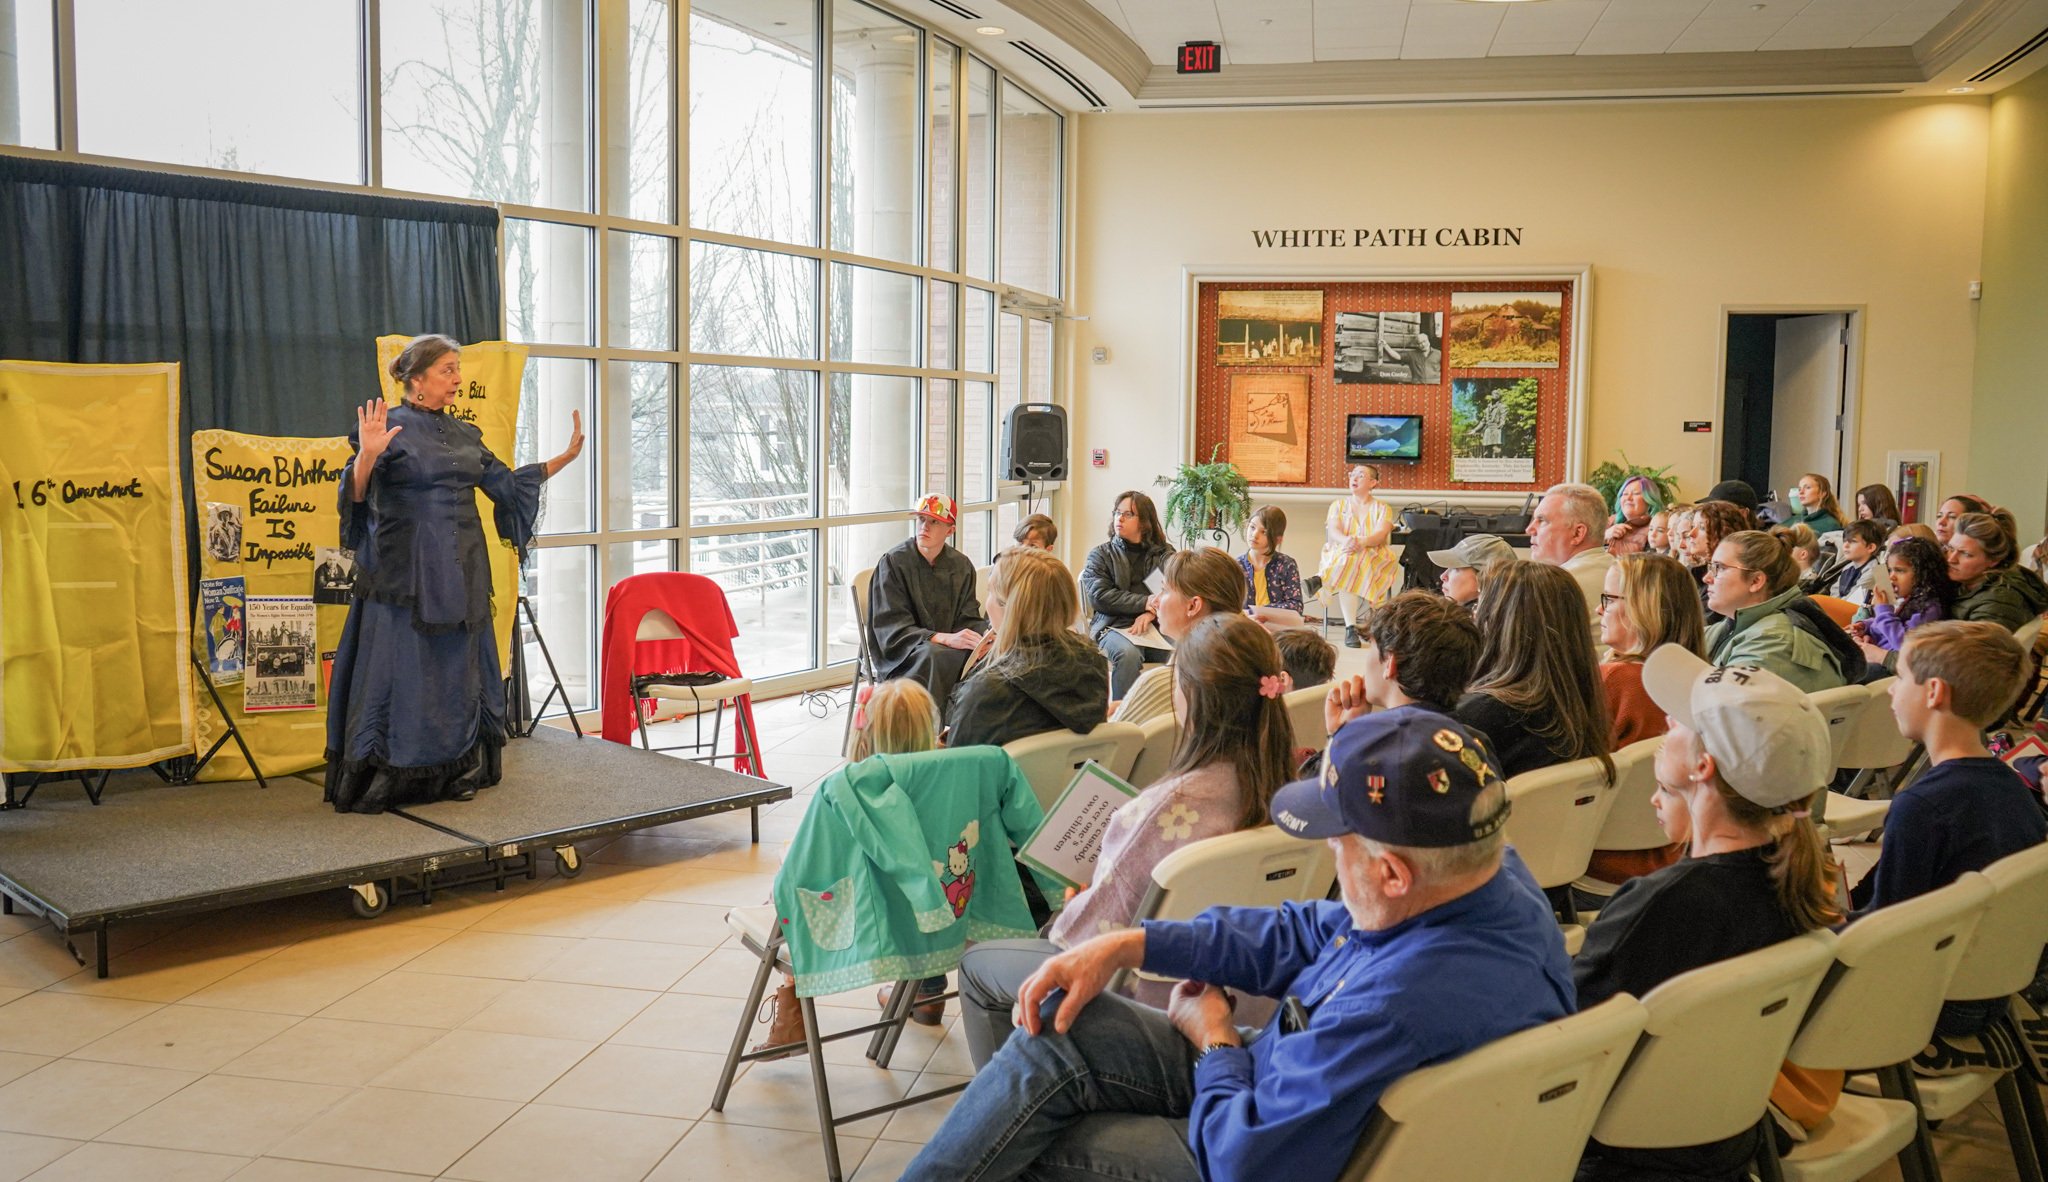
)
(1382, 437)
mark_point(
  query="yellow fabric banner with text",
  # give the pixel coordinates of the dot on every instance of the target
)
(94, 612)
(268, 527)
(492, 372)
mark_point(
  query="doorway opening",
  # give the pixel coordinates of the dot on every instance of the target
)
(1788, 399)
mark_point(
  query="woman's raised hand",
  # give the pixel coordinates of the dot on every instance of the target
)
(372, 430)
(575, 447)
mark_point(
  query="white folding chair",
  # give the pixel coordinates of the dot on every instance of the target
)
(1714, 1042)
(1875, 745)
(2001, 960)
(864, 659)
(1844, 707)
(982, 574)
(1555, 815)
(1155, 750)
(1840, 706)
(1050, 760)
(1519, 1107)
(693, 694)
(1305, 712)
(1878, 1007)
(1631, 822)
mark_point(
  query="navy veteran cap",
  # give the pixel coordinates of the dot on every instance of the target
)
(1407, 776)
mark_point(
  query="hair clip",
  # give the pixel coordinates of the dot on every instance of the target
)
(1275, 684)
(860, 707)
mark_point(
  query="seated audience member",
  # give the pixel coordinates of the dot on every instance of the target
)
(1636, 505)
(1567, 531)
(1711, 522)
(1113, 580)
(1419, 650)
(1198, 583)
(1965, 812)
(923, 618)
(1990, 584)
(1037, 531)
(1768, 622)
(1663, 530)
(1874, 502)
(1232, 754)
(1038, 674)
(1356, 564)
(2035, 558)
(1861, 567)
(1649, 602)
(1272, 579)
(1308, 658)
(1946, 515)
(1914, 529)
(1814, 505)
(1917, 591)
(1799, 541)
(1737, 493)
(1535, 689)
(1465, 564)
(1441, 943)
(1745, 751)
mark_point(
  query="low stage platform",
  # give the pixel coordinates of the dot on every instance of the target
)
(152, 849)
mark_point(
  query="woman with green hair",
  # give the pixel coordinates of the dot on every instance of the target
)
(1635, 502)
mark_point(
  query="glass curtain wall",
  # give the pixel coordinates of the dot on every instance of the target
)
(763, 247)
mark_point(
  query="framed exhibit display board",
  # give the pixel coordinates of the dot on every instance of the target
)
(1454, 383)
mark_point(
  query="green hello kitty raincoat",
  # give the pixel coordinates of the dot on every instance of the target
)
(901, 860)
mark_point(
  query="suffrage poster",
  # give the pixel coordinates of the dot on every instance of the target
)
(222, 628)
(1269, 426)
(282, 670)
(96, 637)
(1067, 843)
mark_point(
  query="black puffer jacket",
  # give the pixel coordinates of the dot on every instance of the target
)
(1061, 683)
(1113, 580)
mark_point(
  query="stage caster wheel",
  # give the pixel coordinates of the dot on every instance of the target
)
(568, 861)
(368, 899)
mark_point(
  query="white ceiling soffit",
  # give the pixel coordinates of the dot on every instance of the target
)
(1118, 54)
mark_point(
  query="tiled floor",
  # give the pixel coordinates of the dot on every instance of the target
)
(563, 1028)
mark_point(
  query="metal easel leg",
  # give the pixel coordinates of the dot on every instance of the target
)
(533, 622)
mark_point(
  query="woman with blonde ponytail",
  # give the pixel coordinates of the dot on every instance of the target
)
(1745, 752)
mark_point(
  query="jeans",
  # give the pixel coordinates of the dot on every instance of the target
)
(1108, 1099)
(1127, 659)
(990, 975)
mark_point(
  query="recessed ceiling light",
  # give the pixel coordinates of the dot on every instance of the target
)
(990, 30)
(1503, 1)
(1962, 90)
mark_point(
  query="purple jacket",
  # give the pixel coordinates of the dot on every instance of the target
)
(1887, 629)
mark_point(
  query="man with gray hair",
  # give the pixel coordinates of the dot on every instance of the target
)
(1442, 943)
(1569, 530)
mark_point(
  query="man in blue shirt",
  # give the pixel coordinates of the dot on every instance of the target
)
(1442, 943)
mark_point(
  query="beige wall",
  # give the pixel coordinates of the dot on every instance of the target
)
(2009, 440)
(1681, 209)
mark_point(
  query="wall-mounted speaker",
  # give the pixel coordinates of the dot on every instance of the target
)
(1035, 442)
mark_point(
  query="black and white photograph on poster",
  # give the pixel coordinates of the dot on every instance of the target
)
(223, 525)
(221, 624)
(283, 665)
(1269, 328)
(1390, 348)
(334, 574)
(1493, 430)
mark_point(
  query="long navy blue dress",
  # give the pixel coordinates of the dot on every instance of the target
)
(416, 705)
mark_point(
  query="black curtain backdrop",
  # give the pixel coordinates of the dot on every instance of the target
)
(271, 298)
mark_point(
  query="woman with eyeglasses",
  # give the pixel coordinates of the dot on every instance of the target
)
(1113, 580)
(1770, 623)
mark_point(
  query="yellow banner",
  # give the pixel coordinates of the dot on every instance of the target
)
(491, 375)
(268, 526)
(94, 612)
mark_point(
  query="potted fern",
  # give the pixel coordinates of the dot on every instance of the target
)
(1610, 476)
(1206, 498)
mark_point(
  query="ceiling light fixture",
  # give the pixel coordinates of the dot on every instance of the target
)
(991, 30)
(1962, 90)
(1503, 1)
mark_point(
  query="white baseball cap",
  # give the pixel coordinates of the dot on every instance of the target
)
(1767, 738)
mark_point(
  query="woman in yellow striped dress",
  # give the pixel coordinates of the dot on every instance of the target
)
(1357, 562)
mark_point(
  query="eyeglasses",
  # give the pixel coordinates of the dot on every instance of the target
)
(1123, 514)
(1607, 601)
(1717, 569)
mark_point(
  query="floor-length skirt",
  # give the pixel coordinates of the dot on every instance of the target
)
(412, 716)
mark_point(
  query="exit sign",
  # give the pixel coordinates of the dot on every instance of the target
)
(1199, 57)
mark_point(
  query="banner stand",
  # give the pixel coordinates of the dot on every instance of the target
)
(522, 726)
(93, 787)
(180, 773)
